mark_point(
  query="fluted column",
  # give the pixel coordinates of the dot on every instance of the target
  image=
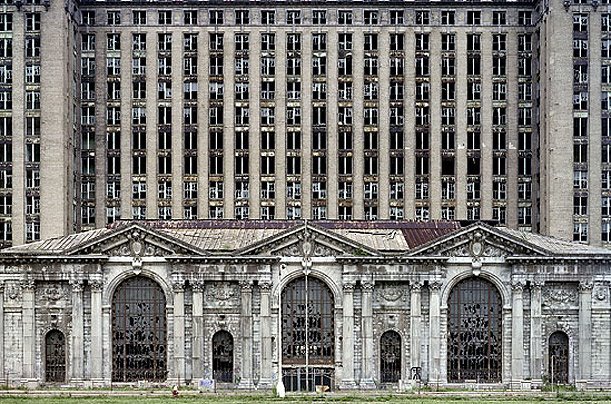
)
(536, 354)
(348, 338)
(179, 330)
(585, 331)
(435, 329)
(367, 329)
(517, 333)
(77, 330)
(246, 381)
(415, 316)
(265, 380)
(29, 329)
(198, 330)
(97, 374)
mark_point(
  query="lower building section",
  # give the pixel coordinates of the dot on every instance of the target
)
(308, 306)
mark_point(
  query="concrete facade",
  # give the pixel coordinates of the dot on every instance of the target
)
(379, 281)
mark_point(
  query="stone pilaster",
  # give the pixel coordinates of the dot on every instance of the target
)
(179, 331)
(29, 330)
(265, 380)
(517, 334)
(435, 330)
(348, 338)
(2, 376)
(246, 381)
(367, 329)
(415, 316)
(76, 346)
(97, 370)
(585, 333)
(536, 354)
(198, 331)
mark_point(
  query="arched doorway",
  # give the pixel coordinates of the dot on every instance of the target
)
(390, 357)
(475, 332)
(222, 357)
(559, 357)
(55, 357)
(139, 336)
(308, 334)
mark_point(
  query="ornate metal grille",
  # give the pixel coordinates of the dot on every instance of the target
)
(222, 357)
(55, 357)
(559, 356)
(308, 333)
(474, 332)
(390, 357)
(139, 331)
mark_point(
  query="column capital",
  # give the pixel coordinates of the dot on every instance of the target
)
(367, 286)
(416, 286)
(178, 286)
(537, 283)
(77, 285)
(246, 286)
(586, 286)
(435, 286)
(28, 284)
(518, 285)
(198, 286)
(348, 287)
(96, 286)
(1, 286)
(266, 287)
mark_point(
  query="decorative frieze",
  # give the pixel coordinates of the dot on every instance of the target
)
(560, 296)
(221, 294)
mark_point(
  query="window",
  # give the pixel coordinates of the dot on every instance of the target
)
(344, 17)
(370, 17)
(268, 17)
(525, 18)
(448, 42)
(190, 17)
(242, 17)
(6, 22)
(164, 17)
(215, 17)
(499, 17)
(319, 17)
(397, 17)
(32, 47)
(580, 22)
(580, 232)
(268, 42)
(422, 17)
(448, 17)
(293, 17)
(474, 17)
(113, 17)
(139, 17)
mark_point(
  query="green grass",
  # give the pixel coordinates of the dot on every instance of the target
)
(138, 398)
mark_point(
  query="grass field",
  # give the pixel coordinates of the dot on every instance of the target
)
(190, 397)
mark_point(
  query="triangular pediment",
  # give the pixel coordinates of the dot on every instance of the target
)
(135, 240)
(308, 239)
(478, 240)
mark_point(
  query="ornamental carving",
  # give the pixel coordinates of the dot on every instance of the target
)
(390, 293)
(601, 293)
(13, 290)
(560, 296)
(296, 250)
(222, 294)
(53, 292)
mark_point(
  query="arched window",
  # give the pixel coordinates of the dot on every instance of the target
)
(139, 347)
(390, 357)
(475, 332)
(559, 357)
(308, 334)
(222, 357)
(55, 357)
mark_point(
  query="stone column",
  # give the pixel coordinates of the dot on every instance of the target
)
(198, 331)
(246, 381)
(265, 381)
(435, 330)
(76, 347)
(517, 334)
(348, 338)
(585, 333)
(2, 375)
(367, 329)
(179, 331)
(97, 372)
(107, 343)
(536, 354)
(415, 316)
(29, 330)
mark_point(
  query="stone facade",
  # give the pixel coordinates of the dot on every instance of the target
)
(387, 277)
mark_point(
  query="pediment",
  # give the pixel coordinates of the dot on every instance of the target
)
(308, 240)
(478, 241)
(136, 241)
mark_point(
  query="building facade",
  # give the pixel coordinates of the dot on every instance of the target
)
(390, 110)
(340, 304)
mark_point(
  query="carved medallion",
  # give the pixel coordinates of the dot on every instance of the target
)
(601, 293)
(560, 296)
(389, 293)
(222, 294)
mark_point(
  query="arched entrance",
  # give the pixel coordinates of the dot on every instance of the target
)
(55, 357)
(475, 332)
(222, 357)
(390, 357)
(559, 357)
(308, 334)
(139, 336)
